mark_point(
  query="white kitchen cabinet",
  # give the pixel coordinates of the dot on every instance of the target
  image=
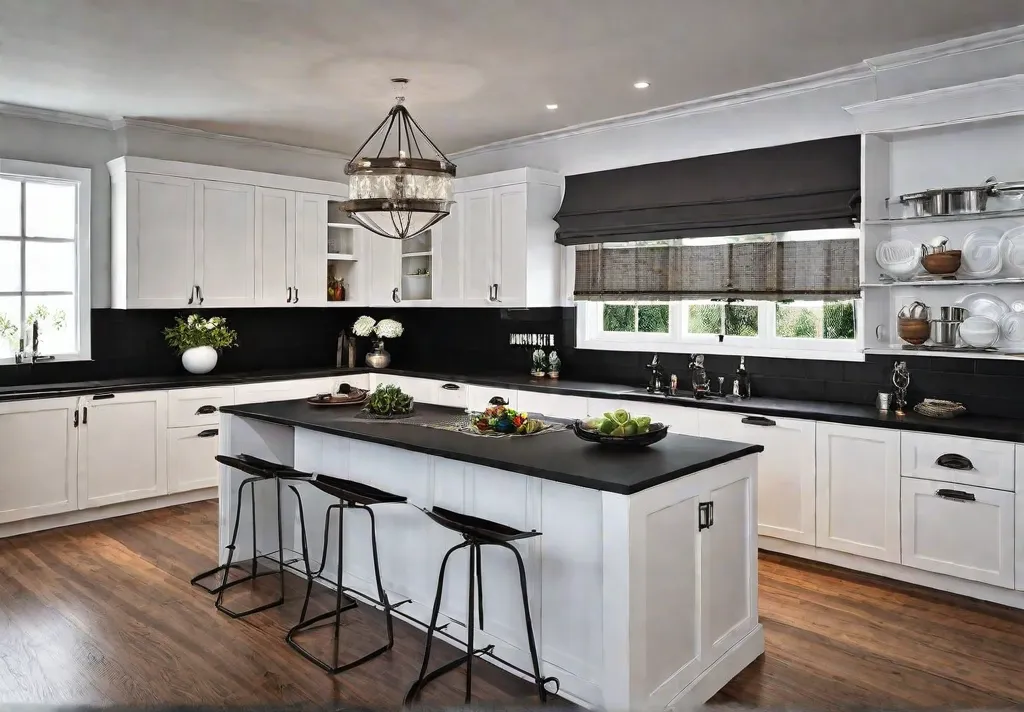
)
(39, 451)
(447, 265)
(190, 407)
(858, 490)
(190, 458)
(122, 448)
(275, 246)
(1019, 508)
(478, 398)
(451, 394)
(282, 390)
(552, 405)
(422, 390)
(310, 253)
(786, 469)
(478, 247)
(510, 259)
(153, 241)
(958, 530)
(225, 244)
(968, 461)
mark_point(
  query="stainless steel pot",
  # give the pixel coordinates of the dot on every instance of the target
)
(944, 333)
(952, 313)
(962, 201)
(924, 203)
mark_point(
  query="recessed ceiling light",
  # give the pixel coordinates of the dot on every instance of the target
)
(552, 107)
(641, 84)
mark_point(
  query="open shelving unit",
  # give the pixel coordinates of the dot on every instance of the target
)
(342, 252)
(417, 268)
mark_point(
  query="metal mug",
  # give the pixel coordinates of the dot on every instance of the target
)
(883, 401)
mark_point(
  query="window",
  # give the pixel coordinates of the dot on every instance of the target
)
(44, 258)
(799, 329)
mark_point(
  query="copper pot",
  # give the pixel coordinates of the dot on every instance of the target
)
(913, 331)
(942, 262)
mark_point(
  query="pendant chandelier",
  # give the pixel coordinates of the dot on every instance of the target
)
(399, 192)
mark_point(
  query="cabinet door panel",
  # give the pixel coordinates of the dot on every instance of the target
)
(275, 240)
(510, 245)
(448, 267)
(190, 458)
(226, 243)
(858, 490)
(969, 539)
(160, 241)
(385, 266)
(478, 246)
(786, 469)
(123, 448)
(310, 252)
(39, 443)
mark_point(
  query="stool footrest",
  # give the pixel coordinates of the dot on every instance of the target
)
(321, 621)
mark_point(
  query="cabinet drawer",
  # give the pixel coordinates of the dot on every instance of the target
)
(958, 530)
(197, 406)
(966, 461)
(451, 394)
(190, 458)
(552, 405)
(478, 398)
(422, 390)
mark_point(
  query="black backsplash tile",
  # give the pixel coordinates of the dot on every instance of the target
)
(476, 341)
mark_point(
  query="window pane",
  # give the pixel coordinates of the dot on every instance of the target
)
(704, 319)
(619, 317)
(839, 320)
(652, 318)
(50, 209)
(49, 266)
(798, 320)
(10, 266)
(740, 320)
(10, 207)
(57, 326)
(10, 318)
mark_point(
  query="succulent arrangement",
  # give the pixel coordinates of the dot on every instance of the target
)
(620, 423)
(388, 400)
(502, 419)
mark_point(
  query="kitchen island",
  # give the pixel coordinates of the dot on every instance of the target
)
(643, 594)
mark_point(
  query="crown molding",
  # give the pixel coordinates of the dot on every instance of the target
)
(150, 125)
(789, 87)
(973, 43)
(54, 116)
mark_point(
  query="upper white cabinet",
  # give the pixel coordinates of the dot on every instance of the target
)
(225, 244)
(189, 236)
(122, 448)
(858, 490)
(504, 233)
(785, 473)
(39, 451)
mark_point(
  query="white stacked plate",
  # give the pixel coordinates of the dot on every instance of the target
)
(900, 259)
(1011, 251)
(984, 304)
(981, 256)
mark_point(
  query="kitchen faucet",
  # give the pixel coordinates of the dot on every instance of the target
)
(656, 384)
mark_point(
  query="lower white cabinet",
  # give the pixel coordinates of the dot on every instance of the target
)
(858, 490)
(958, 530)
(190, 458)
(478, 398)
(552, 405)
(786, 469)
(39, 451)
(451, 394)
(422, 390)
(281, 390)
(122, 448)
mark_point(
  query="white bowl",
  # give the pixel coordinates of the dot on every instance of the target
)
(979, 332)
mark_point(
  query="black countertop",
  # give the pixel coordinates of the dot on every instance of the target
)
(559, 456)
(1006, 429)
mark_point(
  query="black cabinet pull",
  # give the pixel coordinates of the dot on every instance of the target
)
(103, 396)
(76, 417)
(199, 291)
(958, 495)
(85, 415)
(953, 461)
(758, 420)
(497, 400)
(704, 516)
(212, 432)
(191, 294)
(296, 296)
(206, 409)
(394, 296)
(450, 386)
(289, 295)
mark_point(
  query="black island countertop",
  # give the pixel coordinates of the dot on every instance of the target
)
(989, 428)
(558, 456)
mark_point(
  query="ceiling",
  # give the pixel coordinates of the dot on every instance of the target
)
(315, 72)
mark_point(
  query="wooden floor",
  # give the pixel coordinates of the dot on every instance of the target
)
(102, 613)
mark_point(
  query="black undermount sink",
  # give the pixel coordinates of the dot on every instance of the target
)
(679, 395)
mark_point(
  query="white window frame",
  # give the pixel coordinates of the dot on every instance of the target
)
(590, 335)
(83, 295)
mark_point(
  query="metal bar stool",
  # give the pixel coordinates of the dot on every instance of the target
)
(351, 495)
(477, 533)
(258, 470)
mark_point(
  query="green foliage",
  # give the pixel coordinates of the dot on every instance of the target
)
(839, 320)
(740, 320)
(645, 318)
(42, 314)
(197, 331)
(389, 400)
(8, 330)
(619, 317)
(652, 318)
(832, 320)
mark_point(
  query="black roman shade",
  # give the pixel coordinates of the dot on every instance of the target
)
(797, 186)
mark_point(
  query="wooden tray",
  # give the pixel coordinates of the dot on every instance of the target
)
(356, 397)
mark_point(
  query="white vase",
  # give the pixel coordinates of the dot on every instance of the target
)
(199, 359)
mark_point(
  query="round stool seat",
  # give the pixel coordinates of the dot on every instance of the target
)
(355, 492)
(477, 528)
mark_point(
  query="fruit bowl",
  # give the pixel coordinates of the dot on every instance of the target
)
(655, 432)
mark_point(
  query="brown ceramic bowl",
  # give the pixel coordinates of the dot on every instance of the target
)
(942, 262)
(913, 331)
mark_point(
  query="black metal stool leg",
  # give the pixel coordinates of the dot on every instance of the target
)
(541, 692)
(305, 551)
(381, 593)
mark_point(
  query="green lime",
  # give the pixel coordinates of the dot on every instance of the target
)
(607, 426)
(643, 423)
(621, 416)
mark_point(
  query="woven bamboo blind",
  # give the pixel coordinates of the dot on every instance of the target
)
(768, 269)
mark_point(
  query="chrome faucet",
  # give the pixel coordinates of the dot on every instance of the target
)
(656, 383)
